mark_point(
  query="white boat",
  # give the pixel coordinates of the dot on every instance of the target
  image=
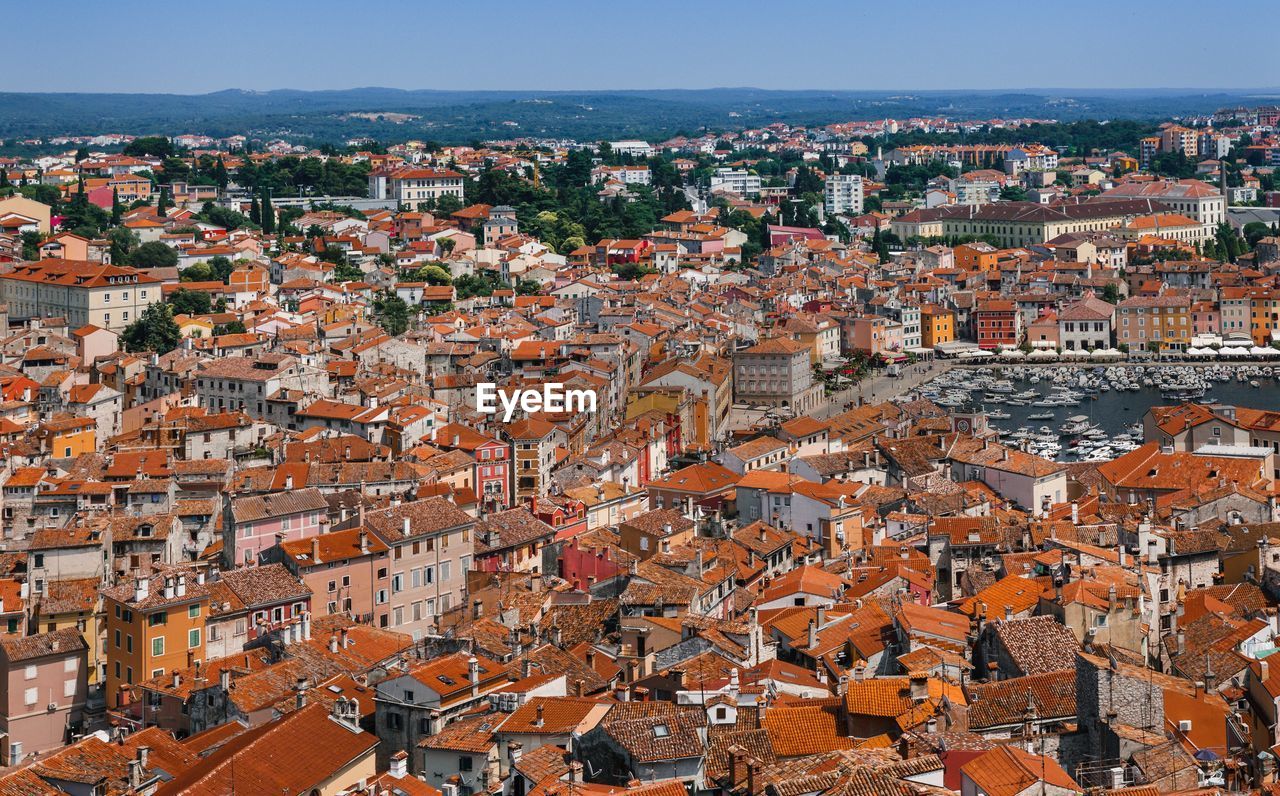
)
(1041, 416)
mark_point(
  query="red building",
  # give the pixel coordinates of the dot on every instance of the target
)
(585, 565)
(997, 323)
(492, 463)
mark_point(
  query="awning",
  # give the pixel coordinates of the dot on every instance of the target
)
(1043, 355)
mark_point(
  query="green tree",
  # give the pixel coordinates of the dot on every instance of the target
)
(31, 245)
(190, 302)
(154, 330)
(1013, 193)
(221, 267)
(434, 275)
(123, 242)
(268, 213)
(233, 327)
(391, 312)
(163, 202)
(255, 212)
(220, 174)
(1111, 293)
(156, 145)
(346, 272)
(528, 287)
(117, 212)
(196, 272)
(154, 254)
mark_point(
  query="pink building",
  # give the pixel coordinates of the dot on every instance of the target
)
(252, 524)
(342, 570)
(44, 691)
(1205, 318)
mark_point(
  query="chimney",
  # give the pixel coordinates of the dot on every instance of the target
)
(181, 591)
(288, 483)
(1075, 513)
(346, 638)
(144, 757)
(575, 772)
(135, 775)
(538, 722)
(306, 626)
(200, 577)
(473, 673)
(141, 589)
(919, 687)
(333, 643)
(813, 635)
(177, 679)
(734, 752)
(364, 541)
(168, 588)
(406, 526)
(224, 680)
(1182, 641)
(315, 550)
(399, 768)
(514, 751)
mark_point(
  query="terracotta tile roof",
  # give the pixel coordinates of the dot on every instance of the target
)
(1052, 696)
(807, 728)
(1008, 771)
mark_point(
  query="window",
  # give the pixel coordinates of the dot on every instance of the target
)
(157, 646)
(30, 696)
(31, 672)
(69, 688)
(193, 638)
(464, 762)
(394, 721)
(193, 611)
(157, 619)
(69, 665)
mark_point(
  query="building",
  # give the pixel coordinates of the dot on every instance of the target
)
(155, 624)
(83, 292)
(534, 454)
(43, 692)
(997, 323)
(415, 188)
(776, 373)
(843, 194)
(254, 523)
(1085, 325)
(1154, 323)
(1195, 199)
(735, 181)
(937, 325)
(1022, 223)
(431, 548)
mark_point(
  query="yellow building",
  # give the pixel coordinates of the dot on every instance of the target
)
(65, 437)
(1154, 323)
(937, 325)
(74, 603)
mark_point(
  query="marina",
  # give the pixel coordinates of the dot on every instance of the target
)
(1074, 413)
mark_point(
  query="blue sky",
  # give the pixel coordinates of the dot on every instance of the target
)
(604, 44)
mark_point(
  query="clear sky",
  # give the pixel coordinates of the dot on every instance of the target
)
(87, 45)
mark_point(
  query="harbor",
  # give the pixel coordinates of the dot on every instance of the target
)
(1072, 413)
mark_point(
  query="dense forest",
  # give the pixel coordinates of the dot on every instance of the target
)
(457, 117)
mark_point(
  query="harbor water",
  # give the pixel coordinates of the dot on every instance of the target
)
(1093, 413)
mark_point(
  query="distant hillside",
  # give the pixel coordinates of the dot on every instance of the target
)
(459, 116)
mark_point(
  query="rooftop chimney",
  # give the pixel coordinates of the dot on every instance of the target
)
(406, 525)
(141, 589)
(538, 722)
(399, 765)
(301, 688)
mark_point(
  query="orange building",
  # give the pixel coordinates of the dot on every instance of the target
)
(155, 624)
(977, 256)
(937, 325)
(66, 437)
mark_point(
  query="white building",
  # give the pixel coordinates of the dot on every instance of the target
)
(636, 149)
(844, 194)
(736, 181)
